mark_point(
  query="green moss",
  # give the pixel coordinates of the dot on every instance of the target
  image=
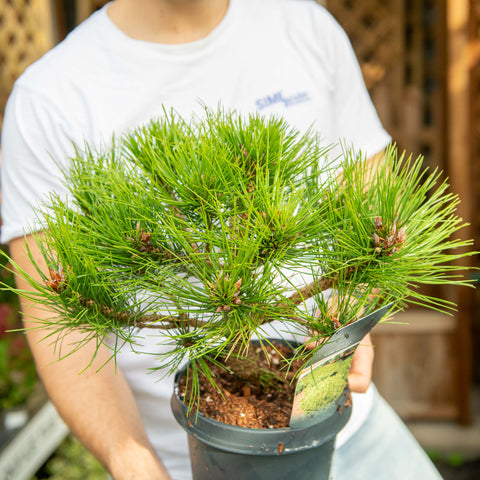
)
(324, 384)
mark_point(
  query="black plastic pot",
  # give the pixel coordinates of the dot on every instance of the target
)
(224, 452)
(304, 452)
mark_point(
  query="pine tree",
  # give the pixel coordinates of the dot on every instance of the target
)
(206, 230)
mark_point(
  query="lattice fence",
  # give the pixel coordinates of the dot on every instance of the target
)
(400, 48)
(25, 34)
(375, 32)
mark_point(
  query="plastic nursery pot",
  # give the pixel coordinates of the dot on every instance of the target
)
(219, 451)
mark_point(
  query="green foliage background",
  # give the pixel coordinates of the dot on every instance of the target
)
(72, 461)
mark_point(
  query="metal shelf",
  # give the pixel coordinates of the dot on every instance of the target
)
(28, 447)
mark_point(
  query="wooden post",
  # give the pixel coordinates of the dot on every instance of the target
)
(59, 20)
(459, 170)
(84, 8)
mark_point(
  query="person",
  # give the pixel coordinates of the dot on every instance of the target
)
(127, 63)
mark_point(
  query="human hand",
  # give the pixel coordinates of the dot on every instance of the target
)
(360, 375)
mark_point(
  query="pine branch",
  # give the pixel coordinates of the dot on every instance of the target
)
(152, 321)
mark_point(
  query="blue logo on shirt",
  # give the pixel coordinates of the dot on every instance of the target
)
(279, 97)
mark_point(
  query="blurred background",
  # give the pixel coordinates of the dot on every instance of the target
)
(421, 64)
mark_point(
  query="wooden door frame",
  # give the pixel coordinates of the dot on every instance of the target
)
(460, 174)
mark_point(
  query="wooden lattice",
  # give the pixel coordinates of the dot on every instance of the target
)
(399, 46)
(374, 27)
(25, 34)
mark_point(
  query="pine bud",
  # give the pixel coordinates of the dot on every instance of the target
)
(238, 284)
(390, 241)
(401, 235)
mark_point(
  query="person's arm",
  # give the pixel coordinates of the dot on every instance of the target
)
(98, 406)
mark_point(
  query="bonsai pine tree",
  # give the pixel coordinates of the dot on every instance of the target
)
(211, 229)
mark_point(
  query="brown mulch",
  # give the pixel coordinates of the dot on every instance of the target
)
(245, 403)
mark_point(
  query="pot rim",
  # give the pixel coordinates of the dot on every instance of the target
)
(261, 441)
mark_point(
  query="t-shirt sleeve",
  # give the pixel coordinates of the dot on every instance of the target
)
(357, 124)
(34, 141)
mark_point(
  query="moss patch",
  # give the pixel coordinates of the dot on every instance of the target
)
(324, 384)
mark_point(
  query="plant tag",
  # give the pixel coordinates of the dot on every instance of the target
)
(322, 382)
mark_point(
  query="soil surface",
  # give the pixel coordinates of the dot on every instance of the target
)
(246, 403)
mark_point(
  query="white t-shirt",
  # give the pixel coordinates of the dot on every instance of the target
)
(281, 57)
